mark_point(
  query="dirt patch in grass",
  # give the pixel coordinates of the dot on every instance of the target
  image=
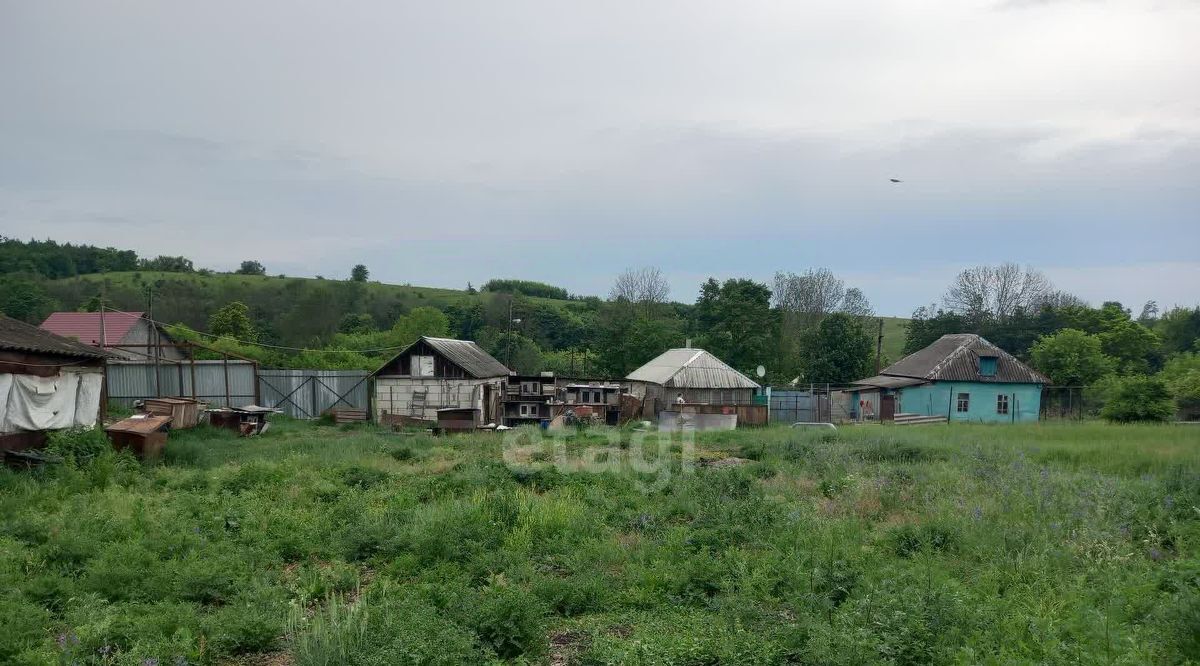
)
(721, 463)
(263, 659)
(566, 644)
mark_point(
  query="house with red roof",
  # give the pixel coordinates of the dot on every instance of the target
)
(126, 335)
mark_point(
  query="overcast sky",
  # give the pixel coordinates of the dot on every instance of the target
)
(446, 142)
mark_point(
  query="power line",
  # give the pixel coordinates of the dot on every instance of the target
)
(264, 344)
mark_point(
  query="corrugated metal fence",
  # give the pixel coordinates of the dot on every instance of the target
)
(128, 382)
(299, 393)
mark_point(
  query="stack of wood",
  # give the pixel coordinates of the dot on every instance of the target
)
(342, 415)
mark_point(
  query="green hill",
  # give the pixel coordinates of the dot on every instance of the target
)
(308, 312)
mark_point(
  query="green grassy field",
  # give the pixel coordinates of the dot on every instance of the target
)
(316, 544)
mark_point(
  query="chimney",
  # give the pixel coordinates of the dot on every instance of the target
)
(688, 344)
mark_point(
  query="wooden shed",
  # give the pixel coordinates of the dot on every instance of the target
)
(439, 373)
(47, 382)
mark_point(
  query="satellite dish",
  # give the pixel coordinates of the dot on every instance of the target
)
(760, 371)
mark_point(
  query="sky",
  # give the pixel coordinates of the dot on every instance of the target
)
(441, 143)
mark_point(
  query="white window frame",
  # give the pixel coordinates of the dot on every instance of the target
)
(531, 388)
(1002, 405)
(962, 403)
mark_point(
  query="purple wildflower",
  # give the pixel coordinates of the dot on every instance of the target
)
(150, 662)
(977, 513)
(105, 650)
(1155, 554)
(1169, 502)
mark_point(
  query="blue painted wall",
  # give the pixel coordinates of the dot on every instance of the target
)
(1024, 401)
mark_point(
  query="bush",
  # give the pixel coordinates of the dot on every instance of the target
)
(1140, 398)
(908, 540)
(81, 445)
(510, 621)
(403, 454)
(22, 624)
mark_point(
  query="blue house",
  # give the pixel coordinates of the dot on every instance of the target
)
(961, 377)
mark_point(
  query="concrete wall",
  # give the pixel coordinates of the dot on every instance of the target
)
(940, 398)
(393, 395)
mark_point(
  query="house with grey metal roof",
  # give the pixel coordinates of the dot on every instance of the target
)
(696, 375)
(434, 374)
(960, 377)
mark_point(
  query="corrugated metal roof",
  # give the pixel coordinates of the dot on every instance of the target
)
(690, 368)
(955, 357)
(463, 353)
(469, 356)
(85, 326)
(19, 336)
(884, 381)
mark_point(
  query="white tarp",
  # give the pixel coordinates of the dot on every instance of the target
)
(48, 403)
(87, 400)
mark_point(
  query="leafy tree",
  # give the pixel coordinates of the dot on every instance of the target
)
(167, 264)
(570, 362)
(734, 321)
(94, 304)
(357, 323)
(465, 320)
(629, 337)
(1071, 357)
(928, 324)
(1130, 344)
(54, 260)
(838, 351)
(233, 320)
(527, 287)
(1140, 398)
(420, 321)
(1180, 330)
(1182, 375)
(359, 273)
(251, 267)
(24, 299)
(516, 351)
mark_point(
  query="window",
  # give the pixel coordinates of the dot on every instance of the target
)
(526, 409)
(530, 388)
(421, 366)
(987, 366)
(1001, 404)
(964, 403)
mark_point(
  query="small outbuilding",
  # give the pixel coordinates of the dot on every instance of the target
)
(960, 377)
(433, 374)
(689, 380)
(126, 336)
(47, 382)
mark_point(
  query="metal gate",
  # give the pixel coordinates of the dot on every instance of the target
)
(306, 394)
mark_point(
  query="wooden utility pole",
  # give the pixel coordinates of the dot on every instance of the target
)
(879, 349)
